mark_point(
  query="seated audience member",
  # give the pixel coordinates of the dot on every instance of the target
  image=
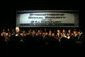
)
(69, 32)
(33, 34)
(23, 36)
(17, 34)
(68, 36)
(23, 33)
(43, 35)
(9, 32)
(40, 36)
(58, 34)
(53, 36)
(12, 35)
(17, 31)
(79, 34)
(75, 35)
(13, 32)
(38, 32)
(63, 33)
(6, 37)
(71, 37)
(3, 32)
(37, 36)
(29, 33)
(46, 36)
(50, 34)
(2, 38)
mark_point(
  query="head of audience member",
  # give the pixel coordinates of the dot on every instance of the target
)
(69, 31)
(63, 31)
(74, 33)
(2, 34)
(16, 34)
(58, 34)
(68, 36)
(21, 34)
(38, 31)
(50, 32)
(17, 29)
(36, 34)
(46, 34)
(24, 32)
(13, 32)
(43, 34)
(40, 34)
(6, 35)
(9, 32)
(33, 33)
(79, 33)
(28, 33)
(58, 31)
(61, 34)
(53, 34)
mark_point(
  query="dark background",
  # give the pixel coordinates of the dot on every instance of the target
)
(8, 17)
(8, 9)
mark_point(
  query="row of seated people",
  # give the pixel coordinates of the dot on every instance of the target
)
(39, 34)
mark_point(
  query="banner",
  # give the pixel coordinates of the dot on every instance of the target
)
(47, 18)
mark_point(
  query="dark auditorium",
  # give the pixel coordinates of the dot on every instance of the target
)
(41, 32)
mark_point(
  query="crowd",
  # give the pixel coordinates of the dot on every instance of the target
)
(32, 34)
